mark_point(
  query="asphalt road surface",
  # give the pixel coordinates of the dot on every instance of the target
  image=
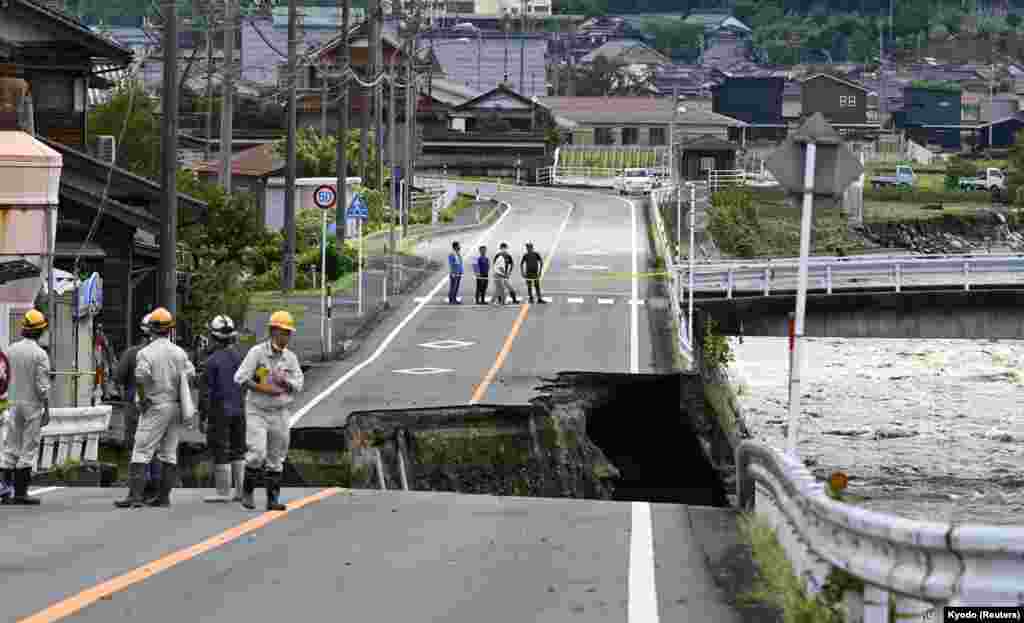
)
(594, 246)
(339, 554)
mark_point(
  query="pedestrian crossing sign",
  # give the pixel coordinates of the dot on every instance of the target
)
(358, 208)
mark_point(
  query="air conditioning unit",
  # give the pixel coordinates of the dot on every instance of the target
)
(106, 150)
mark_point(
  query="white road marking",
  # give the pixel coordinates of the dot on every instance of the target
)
(587, 267)
(634, 319)
(634, 302)
(306, 408)
(42, 490)
(594, 252)
(420, 299)
(447, 344)
(423, 371)
(643, 594)
(575, 299)
(606, 301)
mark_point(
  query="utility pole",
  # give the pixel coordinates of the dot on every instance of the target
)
(169, 162)
(392, 162)
(209, 81)
(364, 138)
(340, 222)
(378, 92)
(408, 173)
(228, 98)
(288, 270)
(571, 88)
(323, 100)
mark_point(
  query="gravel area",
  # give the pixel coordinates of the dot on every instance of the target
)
(926, 429)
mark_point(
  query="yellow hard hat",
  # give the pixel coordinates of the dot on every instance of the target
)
(161, 318)
(35, 320)
(282, 320)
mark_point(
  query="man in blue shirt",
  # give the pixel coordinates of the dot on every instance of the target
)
(482, 268)
(223, 412)
(454, 274)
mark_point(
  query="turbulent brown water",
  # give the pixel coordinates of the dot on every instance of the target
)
(926, 429)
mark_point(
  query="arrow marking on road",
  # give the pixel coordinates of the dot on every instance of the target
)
(606, 301)
(575, 300)
(423, 371)
(447, 344)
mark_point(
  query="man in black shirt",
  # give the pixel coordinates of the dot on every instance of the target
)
(531, 266)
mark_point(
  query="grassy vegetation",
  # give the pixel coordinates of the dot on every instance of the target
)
(462, 202)
(273, 300)
(608, 158)
(893, 211)
(778, 586)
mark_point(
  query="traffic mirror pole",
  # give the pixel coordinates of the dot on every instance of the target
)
(801, 301)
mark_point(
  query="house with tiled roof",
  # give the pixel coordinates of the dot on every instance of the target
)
(636, 121)
(842, 102)
(250, 171)
(627, 52)
(486, 59)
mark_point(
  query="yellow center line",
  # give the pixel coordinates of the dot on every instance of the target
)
(481, 389)
(89, 596)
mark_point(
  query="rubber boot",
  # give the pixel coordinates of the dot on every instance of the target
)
(168, 478)
(21, 479)
(6, 485)
(136, 484)
(151, 492)
(273, 491)
(252, 476)
(238, 476)
(222, 478)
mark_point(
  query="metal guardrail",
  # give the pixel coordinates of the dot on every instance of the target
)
(829, 274)
(909, 568)
(72, 434)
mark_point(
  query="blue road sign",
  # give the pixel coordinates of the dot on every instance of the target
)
(358, 208)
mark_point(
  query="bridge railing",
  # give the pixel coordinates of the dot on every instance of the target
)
(908, 568)
(830, 273)
(72, 434)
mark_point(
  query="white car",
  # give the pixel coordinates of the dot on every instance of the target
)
(632, 181)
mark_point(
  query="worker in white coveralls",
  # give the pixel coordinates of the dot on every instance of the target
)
(158, 371)
(273, 377)
(28, 396)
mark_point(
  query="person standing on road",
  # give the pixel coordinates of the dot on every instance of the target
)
(222, 411)
(455, 271)
(28, 395)
(503, 265)
(271, 373)
(158, 371)
(531, 266)
(482, 268)
(125, 376)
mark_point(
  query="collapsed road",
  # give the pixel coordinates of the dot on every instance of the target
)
(445, 556)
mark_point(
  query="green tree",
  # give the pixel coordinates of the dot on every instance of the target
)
(138, 147)
(316, 155)
(221, 253)
(1012, 20)
(674, 34)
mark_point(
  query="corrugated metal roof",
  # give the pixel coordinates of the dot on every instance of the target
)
(494, 57)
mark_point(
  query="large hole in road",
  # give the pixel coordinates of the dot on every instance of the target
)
(641, 428)
(587, 435)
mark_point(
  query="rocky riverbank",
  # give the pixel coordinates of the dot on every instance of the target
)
(926, 429)
(988, 230)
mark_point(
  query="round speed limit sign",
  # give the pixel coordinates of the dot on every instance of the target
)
(324, 197)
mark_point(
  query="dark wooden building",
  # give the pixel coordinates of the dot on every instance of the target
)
(501, 128)
(704, 153)
(755, 100)
(932, 115)
(841, 101)
(124, 246)
(56, 54)
(1003, 131)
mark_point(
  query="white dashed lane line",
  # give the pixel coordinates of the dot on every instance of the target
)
(606, 301)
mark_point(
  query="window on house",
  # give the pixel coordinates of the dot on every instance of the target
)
(848, 101)
(603, 136)
(707, 164)
(872, 115)
(659, 136)
(630, 136)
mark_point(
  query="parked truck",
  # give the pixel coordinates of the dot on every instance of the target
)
(904, 177)
(994, 181)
